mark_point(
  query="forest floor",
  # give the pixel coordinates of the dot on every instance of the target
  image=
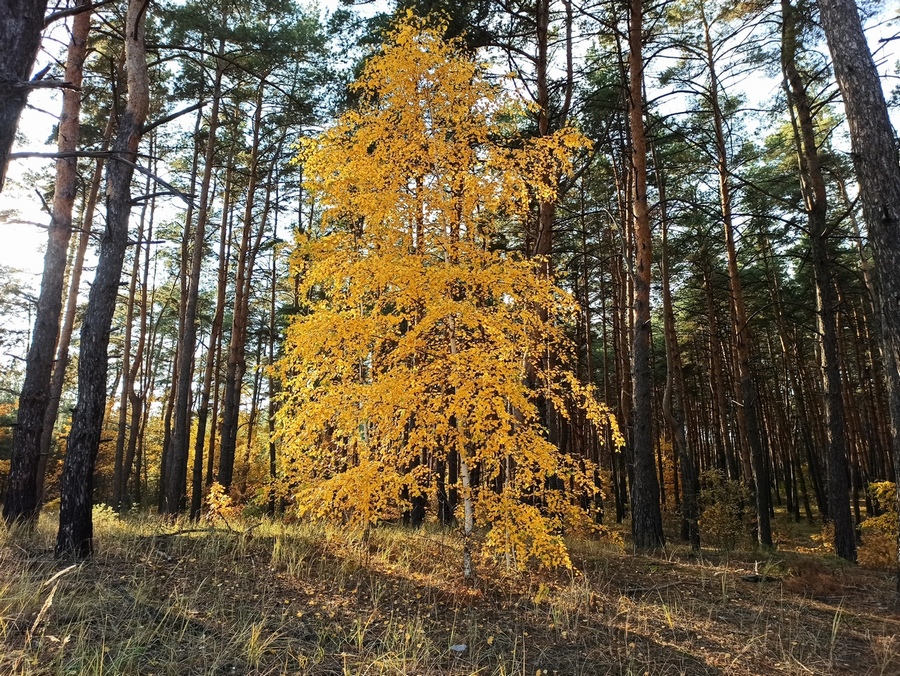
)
(270, 598)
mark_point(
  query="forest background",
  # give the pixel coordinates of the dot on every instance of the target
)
(536, 280)
(705, 338)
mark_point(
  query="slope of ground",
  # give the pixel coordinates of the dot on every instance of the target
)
(268, 598)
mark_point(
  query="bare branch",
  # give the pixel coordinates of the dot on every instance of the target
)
(106, 155)
(43, 84)
(173, 116)
(72, 11)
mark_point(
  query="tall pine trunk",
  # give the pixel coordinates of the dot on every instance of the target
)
(272, 383)
(130, 367)
(21, 25)
(174, 485)
(673, 396)
(68, 323)
(137, 398)
(22, 499)
(878, 170)
(749, 412)
(215, 337)
(75, 536)
(815, 199)
(237, 363)
(646, 519)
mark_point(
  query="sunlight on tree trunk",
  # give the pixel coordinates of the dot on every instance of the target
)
(75, 535)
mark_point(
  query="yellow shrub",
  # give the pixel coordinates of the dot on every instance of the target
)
(879, 533)
(219, 504)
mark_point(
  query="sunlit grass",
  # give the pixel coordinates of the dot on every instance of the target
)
(267, 597)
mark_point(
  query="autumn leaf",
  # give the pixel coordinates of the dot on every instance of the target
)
(423, 346)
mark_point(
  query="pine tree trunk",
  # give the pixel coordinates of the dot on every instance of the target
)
(741, 329)
(792, 393)
(215, 336)
(75, 536)
(130, 369)
(210, 477)
(272, 383)
(878, 171)
(236, 350)
(815, 198)
(646, 519)
(725, 455)
(252, 417)
(174, 484)
(21, 25)
(68, 324)
(137, 399)
(673, 396)
(22, 500)
(184, 273)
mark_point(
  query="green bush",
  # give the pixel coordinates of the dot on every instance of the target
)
(724, 517)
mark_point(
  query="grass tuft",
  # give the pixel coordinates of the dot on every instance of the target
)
(263, 597)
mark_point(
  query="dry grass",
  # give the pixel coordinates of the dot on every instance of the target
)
(300, 599)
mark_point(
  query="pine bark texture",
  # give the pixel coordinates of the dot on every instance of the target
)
(215, 338)
(237, 361)
(646, 519)
(174, 486)
(130, 369)
(749, 413)
(22, 499)
(75, 536)
(57, 382)
(878, 172)
(21, 25)
(816, 199)
(674, 398)
(137, 397)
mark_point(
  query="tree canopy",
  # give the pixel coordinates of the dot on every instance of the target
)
(420, 339)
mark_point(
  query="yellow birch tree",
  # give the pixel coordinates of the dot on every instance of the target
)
(415, 348)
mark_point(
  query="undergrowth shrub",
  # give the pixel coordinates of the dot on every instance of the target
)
(879, 533)
(724, 510)
(104, 518)
(822, 541)
(220, 505)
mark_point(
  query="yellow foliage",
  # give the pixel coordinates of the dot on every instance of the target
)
(420, 341)
(879, 533)
(522, 531)
(884, 494)
(823, 541)
(219, 504)
(433, 155)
